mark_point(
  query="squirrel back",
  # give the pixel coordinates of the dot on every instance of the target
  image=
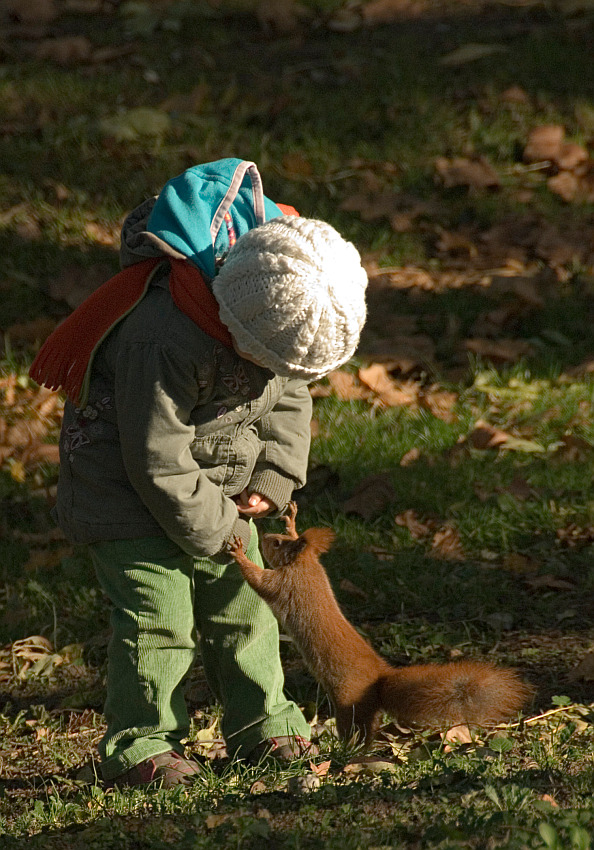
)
(359, 682)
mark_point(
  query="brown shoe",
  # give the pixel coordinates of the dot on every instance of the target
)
(284, 749)
(165, 770)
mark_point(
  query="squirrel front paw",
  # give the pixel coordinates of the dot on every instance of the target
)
(236, 547)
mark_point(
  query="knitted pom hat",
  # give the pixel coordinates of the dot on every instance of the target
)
(292, 293)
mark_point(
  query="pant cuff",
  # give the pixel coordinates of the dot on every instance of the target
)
(241, 744)
(114, 766)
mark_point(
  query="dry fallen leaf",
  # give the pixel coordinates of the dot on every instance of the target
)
(410, 457)
(565, 184)
(526, 289)
(70, 50)
(279, 16)
(47, 559)
(44, 452)
(346, 386)
(303, 784)
(378, 204)
(457, 244)
(76, 283)
(584, 670)
(31, 647)
(571, 156)
(388, 392)
(403, 277)
(514, 95)
(40, 538)
(30, 333)
(352, 589)
(45, 402)
(295, 164)
(17, 471)
(514, 562)
(446, 544)
(368, 765)
(190, 102)
(574, 449)
(549, 582)
(8, 384)
(371, 496)
(475, 173)
(380, 552)
(519, 489)
(108, 235)
(485, 436)
(458, 734)
(384, 343)
(544, 143)
(441, 403)
(384, 11)
(417, 528)
(574, 535)
(586, 367)
(212, 821)
(320, 769)
(346, 19)
(470, 53)
(24, 432)
(35, 12)
(499, 350)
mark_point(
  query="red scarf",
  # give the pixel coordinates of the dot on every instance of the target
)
(65, 358)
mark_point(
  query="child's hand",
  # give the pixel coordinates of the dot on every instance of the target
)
(253, 504)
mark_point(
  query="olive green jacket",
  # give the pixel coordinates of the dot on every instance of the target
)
(175, 425)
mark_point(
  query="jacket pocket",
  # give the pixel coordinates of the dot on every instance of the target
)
(227, 461)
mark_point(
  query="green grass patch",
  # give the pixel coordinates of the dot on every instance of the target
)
(347, 126)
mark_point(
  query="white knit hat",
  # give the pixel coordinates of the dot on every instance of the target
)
(292, 293)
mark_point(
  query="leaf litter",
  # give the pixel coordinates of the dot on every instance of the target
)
(515, 255)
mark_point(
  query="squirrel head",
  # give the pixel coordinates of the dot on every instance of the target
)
(281, 550)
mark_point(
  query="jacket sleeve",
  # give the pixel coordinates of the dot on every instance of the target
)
(285, 433)
(156, 389)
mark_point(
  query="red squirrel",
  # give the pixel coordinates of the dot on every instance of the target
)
(360, 684)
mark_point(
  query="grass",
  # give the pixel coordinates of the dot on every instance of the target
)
(331, 118)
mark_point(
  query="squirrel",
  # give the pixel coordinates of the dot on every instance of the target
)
(361, 684)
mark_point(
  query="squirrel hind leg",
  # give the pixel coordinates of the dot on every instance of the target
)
(358, 721)
(356, 729)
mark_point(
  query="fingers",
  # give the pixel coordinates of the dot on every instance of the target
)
(255, 505)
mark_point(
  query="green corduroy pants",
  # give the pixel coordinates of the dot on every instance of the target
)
(166, 606)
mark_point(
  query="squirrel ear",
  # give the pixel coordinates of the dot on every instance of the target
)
(319, 539)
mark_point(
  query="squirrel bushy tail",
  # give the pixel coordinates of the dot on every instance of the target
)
(476, 693)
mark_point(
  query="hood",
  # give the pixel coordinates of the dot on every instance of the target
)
(198, 215)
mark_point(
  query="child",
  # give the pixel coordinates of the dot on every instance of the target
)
(187, 417)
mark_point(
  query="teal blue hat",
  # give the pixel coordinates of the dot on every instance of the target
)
(202, 212)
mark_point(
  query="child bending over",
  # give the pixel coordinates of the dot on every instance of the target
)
(188, 416)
